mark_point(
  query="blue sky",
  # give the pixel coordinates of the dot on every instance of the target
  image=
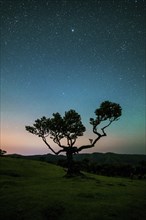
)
(61, 55)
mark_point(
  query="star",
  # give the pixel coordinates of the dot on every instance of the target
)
(73, 58)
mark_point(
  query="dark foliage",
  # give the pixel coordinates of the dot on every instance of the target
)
(115, 170)
(2, 152)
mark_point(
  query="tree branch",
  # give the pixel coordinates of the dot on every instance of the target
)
(90, 145)
(74, 140)
(97, 139)
(95, 131)
(63, 150)
(68, 140)
(103, 129)
(56, 140)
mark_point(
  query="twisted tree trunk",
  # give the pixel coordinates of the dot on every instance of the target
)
(73, 170)
(70, 162)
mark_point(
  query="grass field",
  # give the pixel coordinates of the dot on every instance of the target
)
(32, 190)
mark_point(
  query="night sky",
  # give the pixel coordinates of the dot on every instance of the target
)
(72, 54)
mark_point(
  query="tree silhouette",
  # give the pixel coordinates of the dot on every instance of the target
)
(2, 152)
(70, 128)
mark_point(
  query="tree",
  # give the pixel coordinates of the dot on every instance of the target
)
(70, 128)
(2, 152)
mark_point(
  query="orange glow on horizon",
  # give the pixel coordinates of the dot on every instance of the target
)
(22, 142)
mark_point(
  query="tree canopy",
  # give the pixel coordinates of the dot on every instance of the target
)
(58, 128)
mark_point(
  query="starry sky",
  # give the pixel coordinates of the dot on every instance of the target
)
(58, 55)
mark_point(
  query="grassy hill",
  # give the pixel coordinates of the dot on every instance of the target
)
(37, 190)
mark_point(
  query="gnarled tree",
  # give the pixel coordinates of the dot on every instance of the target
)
(70, 127)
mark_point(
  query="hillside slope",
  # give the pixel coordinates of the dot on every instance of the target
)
(37, 190)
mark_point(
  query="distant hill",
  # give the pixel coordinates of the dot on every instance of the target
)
(101, 158)
(112, 158)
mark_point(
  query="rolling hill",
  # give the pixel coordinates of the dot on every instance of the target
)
(37, 190)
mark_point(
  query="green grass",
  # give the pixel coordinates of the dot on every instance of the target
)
(35, 190)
